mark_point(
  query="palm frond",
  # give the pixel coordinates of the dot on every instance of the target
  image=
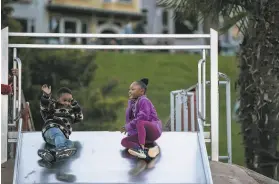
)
(212, 8)
(238, 19)
(235, 9)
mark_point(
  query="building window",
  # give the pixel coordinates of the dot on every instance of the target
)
(145, 16)
(165, 18)
(23, 24)
(84, 30)
(25, 1)
(27, 25)
(165, 31)
(117, 23)
(70, 27)
(22, 1)
(125, 1)
(32, 26)
(100, 22)
(54, 25)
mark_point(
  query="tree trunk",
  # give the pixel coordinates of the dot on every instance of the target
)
(259, 88)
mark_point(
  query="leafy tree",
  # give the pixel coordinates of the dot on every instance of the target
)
(6, 19)
(71, 68)
(74, 69)
(258, 78)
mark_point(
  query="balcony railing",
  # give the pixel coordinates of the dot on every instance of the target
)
(78, 3)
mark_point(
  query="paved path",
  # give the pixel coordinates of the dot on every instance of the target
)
(7, 170)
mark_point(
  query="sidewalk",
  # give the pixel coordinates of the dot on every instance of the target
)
(7, 170)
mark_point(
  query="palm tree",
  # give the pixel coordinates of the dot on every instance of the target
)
(259, 71)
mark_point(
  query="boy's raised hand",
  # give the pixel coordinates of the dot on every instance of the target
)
(75, 106)
(46, 89)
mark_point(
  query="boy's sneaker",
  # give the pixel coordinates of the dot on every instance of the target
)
(138, 152)
(45, 164)
(65, 177)
(46, 155)
(62, 153)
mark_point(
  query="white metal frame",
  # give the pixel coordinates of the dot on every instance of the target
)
(17, 64)
(214, 95)
(73, 20)
(73, 35)
(202, 88)
(178, 97)
(213, 47)
(175, 103)
(228, 115)
(4, 98)
(18, 150)
(201, 97)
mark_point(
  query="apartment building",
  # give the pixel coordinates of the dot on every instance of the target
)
(110, 16)
(159, 20)
(76, 16)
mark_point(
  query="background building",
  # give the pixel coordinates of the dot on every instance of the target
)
(76, 16)
(112, 16)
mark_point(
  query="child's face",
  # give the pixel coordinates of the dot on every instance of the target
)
(135, 91)
(65, 99)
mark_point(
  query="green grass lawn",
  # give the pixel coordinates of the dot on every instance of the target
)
(166, 73)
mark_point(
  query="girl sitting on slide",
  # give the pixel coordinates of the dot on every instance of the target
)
(142, 123)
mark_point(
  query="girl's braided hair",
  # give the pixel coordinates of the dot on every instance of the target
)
(143, 83)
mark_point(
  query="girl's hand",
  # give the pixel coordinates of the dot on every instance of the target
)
(123, 130)
(14, 72)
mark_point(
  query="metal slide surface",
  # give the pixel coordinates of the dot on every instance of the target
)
(102, 159)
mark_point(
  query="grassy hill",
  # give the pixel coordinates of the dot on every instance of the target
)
(166, 73)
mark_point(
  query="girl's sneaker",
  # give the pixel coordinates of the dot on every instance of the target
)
(138, 152)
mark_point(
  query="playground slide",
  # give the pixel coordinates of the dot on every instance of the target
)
(102, 159)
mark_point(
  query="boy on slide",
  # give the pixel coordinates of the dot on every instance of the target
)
(58, 116)
(142, 123)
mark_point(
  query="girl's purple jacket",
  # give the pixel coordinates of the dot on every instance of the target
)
(141, 109)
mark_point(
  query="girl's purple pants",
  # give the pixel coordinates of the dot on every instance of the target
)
(148, 132)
